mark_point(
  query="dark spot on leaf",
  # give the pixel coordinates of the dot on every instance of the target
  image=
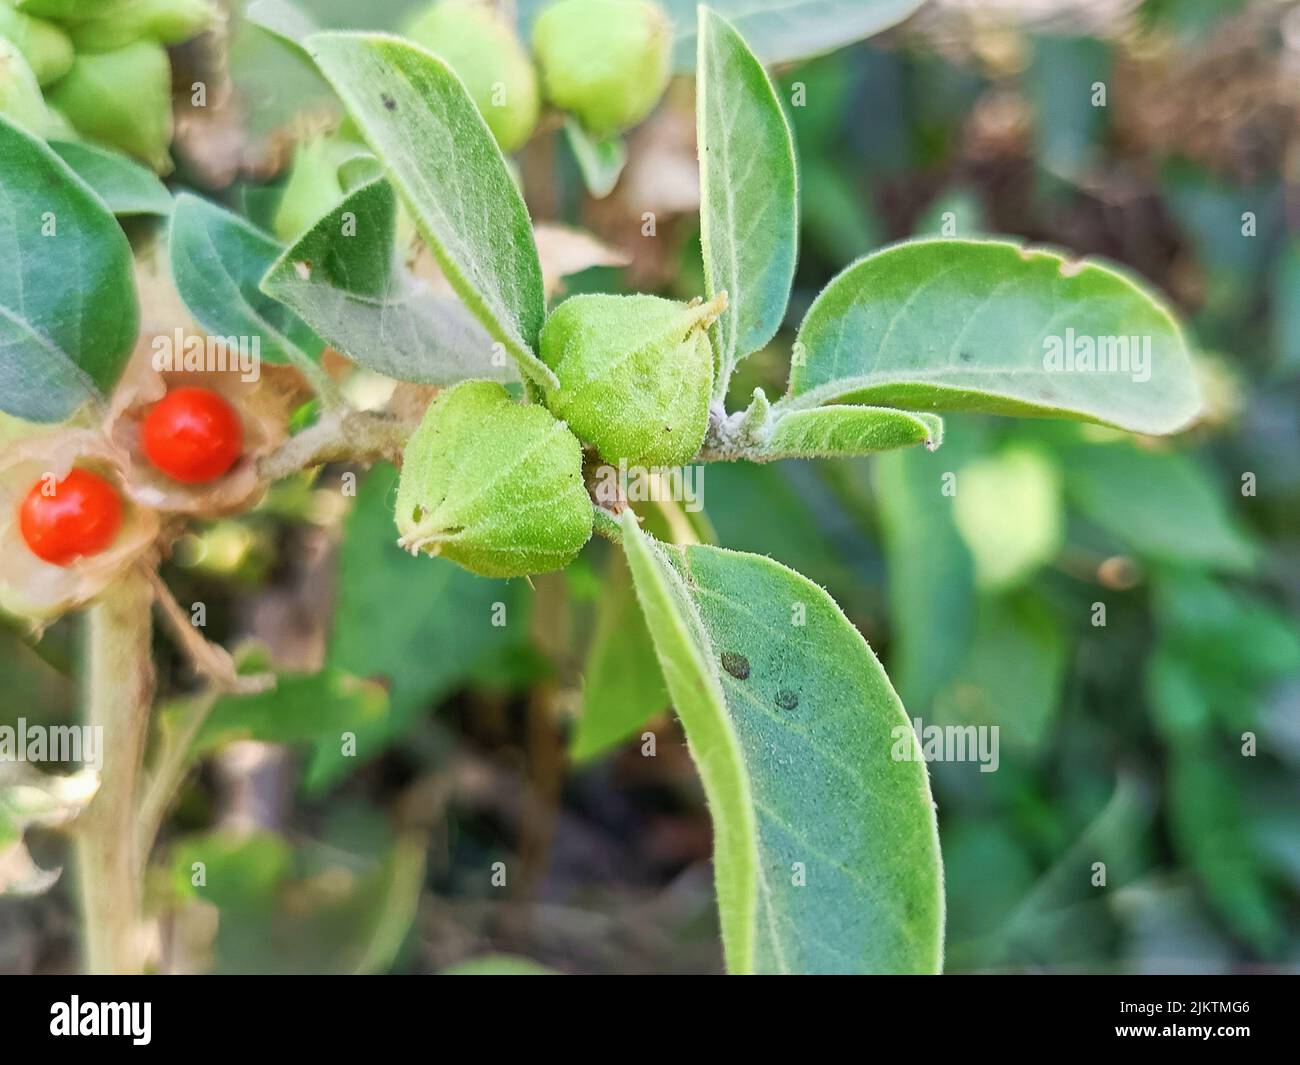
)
(786, 699)
(389, 102)
(736, 664)
(965, 356)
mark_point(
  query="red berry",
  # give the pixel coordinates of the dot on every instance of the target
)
(81, 517)
(192, 435)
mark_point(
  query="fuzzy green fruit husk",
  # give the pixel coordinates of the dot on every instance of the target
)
(20, 96)
(480, 45)
(635, 374)
(167, 21)
(604, 61)
(46, 48)
(493, 485)
(122, 99)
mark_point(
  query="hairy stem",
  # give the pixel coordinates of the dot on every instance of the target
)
(357, 436)
(119, 692)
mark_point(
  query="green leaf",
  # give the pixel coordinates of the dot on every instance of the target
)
(622, 686)
(218, 261)
(777, 30)
(840, 431)
(1009, 510)
(438, 152)
(301, 708)
(749, 197)
(240, 873)
(285, 21)
(975, 325)
(344, 277)
(794, 729)
(600, 161)
(931, 574)
(1162, 505)
(123, 184)
(1013, 674)
(420, 625)
(68, 313)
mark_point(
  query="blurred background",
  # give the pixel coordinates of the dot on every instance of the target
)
(1124, 609)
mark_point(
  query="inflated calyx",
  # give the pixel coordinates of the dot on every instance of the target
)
(46, 48)
(165, 21)
(479, 43)
(635, 374)
(493, 485)
(122, 99)
(604, 61)
(20, 96)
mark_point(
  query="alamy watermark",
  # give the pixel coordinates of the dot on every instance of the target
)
(919, 742)
(77, 744)
(196, 353)
(650, 484)
(1082, 353)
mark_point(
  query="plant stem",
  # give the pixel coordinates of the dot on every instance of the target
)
(119, 691)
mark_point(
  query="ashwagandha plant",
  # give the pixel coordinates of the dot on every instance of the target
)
(826, 848)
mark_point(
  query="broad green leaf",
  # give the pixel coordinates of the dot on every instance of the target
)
(1286, 308)
(979, 325)
(600, 161)
(68, 313)
(286, 21)
(345, 278)
(438, 152)
(240, 872)
(123, 184)
(300, 709)
(1013, 674)
(218, 261)
(777, 30)
(421, 626)
(840, 431)
(825, 849)
(1162, 505)
(1210, 831)
(749, 197)
(1009, 510)
(930, 570)
(622, 685)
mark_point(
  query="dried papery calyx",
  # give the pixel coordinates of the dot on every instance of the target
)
(607, 62)
(79, 562)
(635, 374)
(172, 355)
(493, 485)
(479, 43)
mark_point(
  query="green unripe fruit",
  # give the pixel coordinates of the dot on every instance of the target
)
(635, 374)
(20, 97)
(604, 61)
(167, 21)
(312, 190)
(122, 99)
(479, 43)
(493, 485)
(46, 48)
